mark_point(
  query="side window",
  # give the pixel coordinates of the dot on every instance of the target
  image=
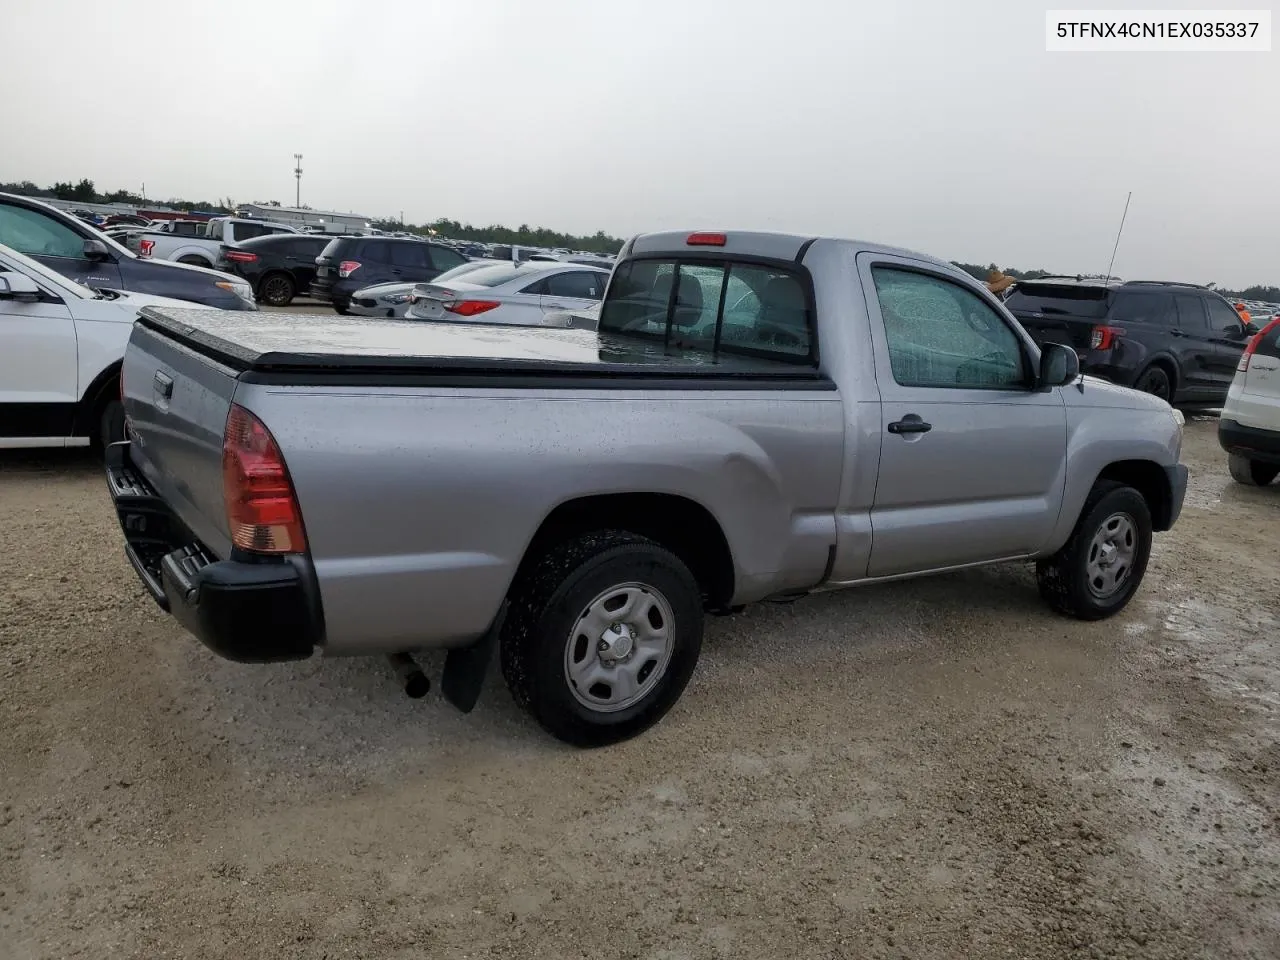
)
(582, 284)
(407, 254)
(442, 258)
(1191, 314)
(942, 335)
(247, 231)
(1223, 317)
(376, 251)
(1150, 307)
(38, 235)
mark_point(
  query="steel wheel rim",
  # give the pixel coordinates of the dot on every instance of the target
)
(619, 648)
(275, 289)
(1112, 550)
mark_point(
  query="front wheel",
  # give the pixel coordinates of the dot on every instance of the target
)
(1252, 473)
(1098, 570)
(601, 637)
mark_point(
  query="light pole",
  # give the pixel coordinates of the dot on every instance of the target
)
(297, 173)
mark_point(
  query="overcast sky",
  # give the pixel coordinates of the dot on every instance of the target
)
(942, 125)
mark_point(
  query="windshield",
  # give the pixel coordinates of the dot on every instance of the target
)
(1059, 299)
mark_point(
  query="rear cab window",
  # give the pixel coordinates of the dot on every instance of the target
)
(701, 305)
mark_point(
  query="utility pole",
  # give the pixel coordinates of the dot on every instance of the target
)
(297, 173)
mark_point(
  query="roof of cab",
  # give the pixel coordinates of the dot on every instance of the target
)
(757, 243)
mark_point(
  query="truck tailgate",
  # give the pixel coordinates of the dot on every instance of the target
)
(177, 403)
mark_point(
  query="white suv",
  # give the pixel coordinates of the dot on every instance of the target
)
(1250, 426)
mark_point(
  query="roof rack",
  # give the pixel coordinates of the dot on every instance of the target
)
(1170, 283)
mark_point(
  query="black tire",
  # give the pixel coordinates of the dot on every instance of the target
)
(341, 308)
(195, 261)
(1155, 381)
(1252, 473)
(1065, 580)
(546, 605)
(110, 424)
(277, 289)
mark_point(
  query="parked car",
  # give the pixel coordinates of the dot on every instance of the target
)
(1249, 428)
(393, 299)
(276, 265)
(1177, 341)
(518, 293)
(60, 350)
(88, 256)
(759, 416)
(349, 264)
(203, 250)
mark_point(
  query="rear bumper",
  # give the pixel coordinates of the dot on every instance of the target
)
(1252, 442)
(252, 611)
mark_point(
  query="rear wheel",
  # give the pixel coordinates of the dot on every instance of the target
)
(277, 290)
(601, 637)
(195, 261)
(1098, 570)
(1155, 381)
(1252, 473)
(110, 424)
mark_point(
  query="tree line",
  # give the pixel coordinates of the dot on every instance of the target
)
(524, 235)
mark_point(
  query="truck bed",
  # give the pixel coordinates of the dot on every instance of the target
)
(309, 348)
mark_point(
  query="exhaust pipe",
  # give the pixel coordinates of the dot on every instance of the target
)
(412, 679)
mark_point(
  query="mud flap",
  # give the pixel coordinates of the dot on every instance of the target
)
(465, 667)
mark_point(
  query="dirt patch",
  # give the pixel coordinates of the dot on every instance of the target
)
(926, 770)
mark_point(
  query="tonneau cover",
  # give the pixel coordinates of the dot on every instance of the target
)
(297, 342)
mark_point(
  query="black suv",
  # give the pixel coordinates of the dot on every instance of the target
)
(1178, 341)
(277, 266)
(349, 263)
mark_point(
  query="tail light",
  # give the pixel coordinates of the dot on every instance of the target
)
(145, 247)
(706, 240)
(262, 510)
(1254, 343)
(347, 267)
(241, 256)
(1104, 338)
(469, 308)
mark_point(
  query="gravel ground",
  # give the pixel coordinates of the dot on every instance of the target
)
(935, 769)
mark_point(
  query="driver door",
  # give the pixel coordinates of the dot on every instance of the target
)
(56, 245)
(972, 461)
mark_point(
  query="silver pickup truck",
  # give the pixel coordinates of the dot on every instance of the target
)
(757, 416)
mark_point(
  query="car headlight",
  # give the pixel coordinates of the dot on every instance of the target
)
(397, 298)
(240, 289)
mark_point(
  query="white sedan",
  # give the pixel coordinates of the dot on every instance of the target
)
(535, 293)
(392, 299)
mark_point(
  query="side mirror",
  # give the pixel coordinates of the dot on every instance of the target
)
(96, 250)
(1251, 328)
(18, 286)
(1059, 365)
